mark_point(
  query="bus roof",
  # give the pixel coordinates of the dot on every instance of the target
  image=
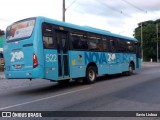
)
(86, 28)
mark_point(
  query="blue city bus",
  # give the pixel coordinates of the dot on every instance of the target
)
(40, 47)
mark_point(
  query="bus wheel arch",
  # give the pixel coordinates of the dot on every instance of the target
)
(131, 67)
(132, 64)
(91, 73)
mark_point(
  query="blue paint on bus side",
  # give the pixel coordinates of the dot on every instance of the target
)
(107, 63)
(108, 58)
(77, 66)
(139, 64)
(51, 64)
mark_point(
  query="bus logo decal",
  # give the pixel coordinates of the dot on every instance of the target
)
(80, 58)
(111, 57)
(100, 58)
(73, 62)
(17, 55)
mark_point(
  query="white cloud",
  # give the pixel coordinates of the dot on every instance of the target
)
(112, 15)
(12, 11)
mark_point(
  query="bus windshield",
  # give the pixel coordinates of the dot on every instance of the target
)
(20, 30)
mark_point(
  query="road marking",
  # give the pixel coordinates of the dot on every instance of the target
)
(58, 95)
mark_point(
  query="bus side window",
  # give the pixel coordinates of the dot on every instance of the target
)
(95, 42)
(47, 36)
(113, 45)
(105, 44)
(130, 47)
(79, 41)
(122, 46)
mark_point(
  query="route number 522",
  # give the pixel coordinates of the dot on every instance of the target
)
(51, 58)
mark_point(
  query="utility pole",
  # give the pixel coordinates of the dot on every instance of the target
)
(64, 8)
(142, 41)
(63, 11)
(157, 43)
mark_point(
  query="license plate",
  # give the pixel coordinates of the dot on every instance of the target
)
(18, 66)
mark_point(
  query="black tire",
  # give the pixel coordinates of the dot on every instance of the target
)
(91, 75)
(130, 70)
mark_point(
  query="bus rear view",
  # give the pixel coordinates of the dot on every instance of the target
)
(19, 50)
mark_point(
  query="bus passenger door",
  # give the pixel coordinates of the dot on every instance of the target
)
(61, 38)
(50, 53)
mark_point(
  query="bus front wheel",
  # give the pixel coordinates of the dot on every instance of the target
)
(91, 75)
(130, 70)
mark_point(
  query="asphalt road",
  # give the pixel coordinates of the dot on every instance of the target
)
(139, 92)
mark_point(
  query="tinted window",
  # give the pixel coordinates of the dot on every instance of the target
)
(94, 42)
(130, 46)
(79, 40)
(48, 36)
(113, 44)
(105, 44)
(122, 46)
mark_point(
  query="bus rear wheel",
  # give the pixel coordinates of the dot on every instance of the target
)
(91, 75)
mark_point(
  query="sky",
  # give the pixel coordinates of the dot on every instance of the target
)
(116, 16)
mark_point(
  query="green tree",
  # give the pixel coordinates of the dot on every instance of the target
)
(149, 38)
